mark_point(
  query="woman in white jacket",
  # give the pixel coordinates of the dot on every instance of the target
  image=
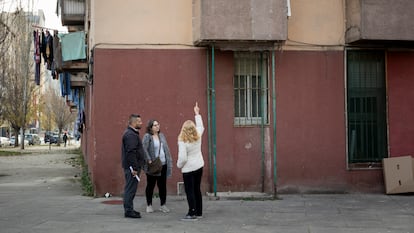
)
(191, 162)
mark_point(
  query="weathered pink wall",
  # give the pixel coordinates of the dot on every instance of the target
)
(158, 84)
(311, 143)
(163, 84)
(400, 82)
(239, 158)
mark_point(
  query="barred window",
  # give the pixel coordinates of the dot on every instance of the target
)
(250, 88)
(366, 106)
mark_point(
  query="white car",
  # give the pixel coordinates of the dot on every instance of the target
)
(12, 140)
(4, 141)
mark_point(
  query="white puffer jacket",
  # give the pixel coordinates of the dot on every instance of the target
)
(190, 157)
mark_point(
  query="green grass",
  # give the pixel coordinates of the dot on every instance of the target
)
(12, 153)
(86, 181)
(87, 185)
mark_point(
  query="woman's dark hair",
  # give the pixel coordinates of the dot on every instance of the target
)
(149, 126)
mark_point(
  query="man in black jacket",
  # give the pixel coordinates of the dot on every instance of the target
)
(132, 163)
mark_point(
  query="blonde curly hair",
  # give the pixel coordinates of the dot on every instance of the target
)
(188, 132)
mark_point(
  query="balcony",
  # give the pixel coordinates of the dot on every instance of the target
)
(379, 22)
(75, 66)
(73, 52)
(239, 23)
(72, 12)
(78, 80)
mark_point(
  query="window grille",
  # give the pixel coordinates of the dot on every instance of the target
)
(366, 106)
(250, 88)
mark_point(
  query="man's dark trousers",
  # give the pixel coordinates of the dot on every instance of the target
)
(131, 185)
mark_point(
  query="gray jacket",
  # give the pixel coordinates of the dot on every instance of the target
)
(148, 144)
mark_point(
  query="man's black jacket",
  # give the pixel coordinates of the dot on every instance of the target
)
(132, 150)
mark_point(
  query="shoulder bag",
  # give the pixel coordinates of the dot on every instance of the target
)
(156, 166)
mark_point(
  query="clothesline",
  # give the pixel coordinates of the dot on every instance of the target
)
(52, 29)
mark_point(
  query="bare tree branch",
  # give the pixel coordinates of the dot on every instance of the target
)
(57, 110)
(17, 65)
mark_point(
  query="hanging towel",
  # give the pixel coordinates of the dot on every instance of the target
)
(73, 46)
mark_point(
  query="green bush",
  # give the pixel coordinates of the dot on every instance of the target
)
(87, 185)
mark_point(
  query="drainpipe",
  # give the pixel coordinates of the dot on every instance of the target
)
(274, 126)
(210, 156)
(213, 120)
(262, 126)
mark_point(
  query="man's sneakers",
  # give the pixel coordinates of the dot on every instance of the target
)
(191, 218)
(164, 209)
(150, 209)
(132, 214)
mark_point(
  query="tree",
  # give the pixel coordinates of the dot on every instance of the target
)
(5, 33)
(46, 113)
(57, 110)
(16, 64)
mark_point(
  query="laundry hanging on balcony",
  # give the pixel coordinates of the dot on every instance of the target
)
(44, 46)
(57, 60)
(65, 83)
(36, 56)
(73, 46)
(47, 49)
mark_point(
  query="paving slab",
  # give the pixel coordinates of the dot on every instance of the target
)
(41, 192)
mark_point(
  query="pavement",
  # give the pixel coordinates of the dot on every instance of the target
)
(41, 192)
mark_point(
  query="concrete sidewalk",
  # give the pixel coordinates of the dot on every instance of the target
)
(43, 195)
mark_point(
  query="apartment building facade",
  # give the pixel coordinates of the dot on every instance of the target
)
(297, 96)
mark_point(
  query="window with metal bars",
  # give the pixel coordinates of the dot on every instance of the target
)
(250, 88)
(366, 106)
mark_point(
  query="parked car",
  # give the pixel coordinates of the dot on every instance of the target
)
(56, 138)
(4, 141)
(13, 139)
(33, 139)
(47, 137)
(52, 138)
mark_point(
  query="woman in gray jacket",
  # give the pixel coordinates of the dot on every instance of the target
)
(155, 145)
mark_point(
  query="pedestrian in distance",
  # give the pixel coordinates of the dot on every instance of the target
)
(132, 163)
(65, 138)
(156, 146)
(191, 162)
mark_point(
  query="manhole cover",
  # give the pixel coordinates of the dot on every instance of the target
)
(113, 202)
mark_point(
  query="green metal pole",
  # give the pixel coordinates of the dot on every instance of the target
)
(274, 126)
(213, 119)
(262, 123)
(210, 157)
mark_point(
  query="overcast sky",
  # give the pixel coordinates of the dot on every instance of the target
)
(48, 7)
